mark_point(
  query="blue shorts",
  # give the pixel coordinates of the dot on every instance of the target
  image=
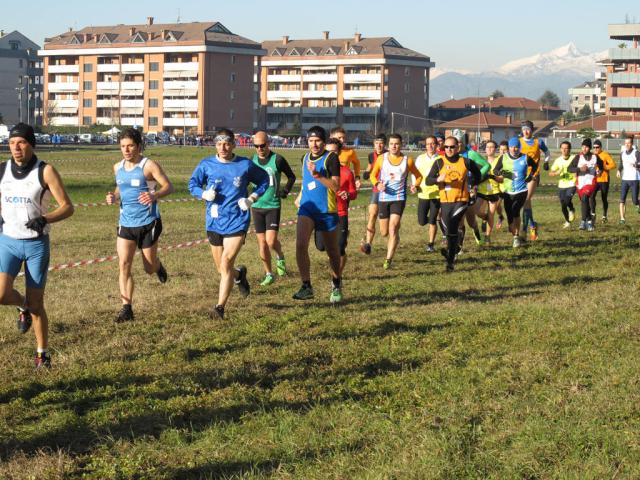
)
(34, 253)
(324, 222)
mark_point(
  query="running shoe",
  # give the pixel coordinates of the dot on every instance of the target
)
(430, 248)
(444, 252)
(517, 242)
(566, 225)
(218, 312)
(305, 293)
(583, 225)
(499, 224)
(336, 295)
(572, 215)
(387, 264)
(590, 227)
(162, 274)
(622, 221)
(365, 248)
(242, 282)
(533, 233)
(449, 268)
(477, 237)
(42, 360)
(24, 320)
(267, 280)
(483, 227)
(125, 314)
(281, 267)
(605, 219)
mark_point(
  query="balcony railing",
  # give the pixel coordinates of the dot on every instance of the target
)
(624, 78)
(362, 78)
(624, 102)
(63, 121)
(108, 68)
(284, 78)
(63, 87)
(179, 122)
(63, 69)
(132, 68)
(361, 94)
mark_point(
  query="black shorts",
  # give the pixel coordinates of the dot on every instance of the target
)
(266, 219)
(216, 239)
(145, 236)
(343, 236)
(513, 204)
(386, 209)
(375, 198)
(493, 197)
(428, 211)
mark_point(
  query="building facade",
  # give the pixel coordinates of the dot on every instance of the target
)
(623, 80)
(359, 83)
(21, 78)
(176, 78)
(518, 108)
(592, 94)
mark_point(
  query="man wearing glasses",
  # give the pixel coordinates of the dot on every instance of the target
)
(266, 210)
(603, 179)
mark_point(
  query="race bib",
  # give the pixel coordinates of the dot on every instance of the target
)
(135, 182)
(311, 185)
(489, 188)
(213, 211)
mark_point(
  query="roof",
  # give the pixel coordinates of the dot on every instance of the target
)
(194, 33)
(517, 103)
(25, 43)
(599, 123)
(480, 120)
(591, 84)
(387, 47)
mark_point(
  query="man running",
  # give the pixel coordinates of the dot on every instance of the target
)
(533, 147)
(603, 179)
(488, 193)
(514, 170)
(566, 182)
(139, 225)
(457, 177)
(393, 168)
(428, 196)
(440, 146)
(26, 186)
(317, 209)
(266, 210)
(379, 149)
(348, 156)
(629, 172)
(222, 181)
(587, 166)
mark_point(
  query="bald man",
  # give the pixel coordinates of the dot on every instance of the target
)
(266, 210)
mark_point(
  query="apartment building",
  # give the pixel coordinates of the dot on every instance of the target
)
(355, 82)
(178, 78)
(21, 93)
(592, 94)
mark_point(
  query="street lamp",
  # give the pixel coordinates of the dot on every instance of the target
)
(19, 90)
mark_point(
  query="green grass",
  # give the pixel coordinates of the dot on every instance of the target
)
(518, 365)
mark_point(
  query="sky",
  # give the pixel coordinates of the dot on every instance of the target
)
(471, 35)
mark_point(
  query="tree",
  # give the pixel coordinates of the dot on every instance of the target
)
(587, 133)
(497, 94)
(549, 99)
(569, 117)
(584, 111)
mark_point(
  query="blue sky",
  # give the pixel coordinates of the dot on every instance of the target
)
(485, 35)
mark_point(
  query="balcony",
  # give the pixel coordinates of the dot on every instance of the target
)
(320, 111)
(137, 87)
(320, 94)
(362, 95)
(63, 69)
(63, 104)
(132, 121)
(624, 54)
(629, 127)
(180, 85)
(624, 102)
(358, 127)
(63, 121)
(132, 111)
(186, 105)
(107, 120)
(107, 88)
(284, 78)
(63, 87)
(325, 125)
(111, 103)
(186, 67)
(624, 78)
(132, 68)
(132, 103)
(362, 78)
(108, 68)
(360, 110)
(293, 110)
(180, 122)
(320, 77)
(280, 95)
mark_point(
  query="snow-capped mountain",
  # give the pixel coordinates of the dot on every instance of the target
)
(557, 70)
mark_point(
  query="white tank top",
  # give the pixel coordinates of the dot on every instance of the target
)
(23, 199)
(629, 170)
(394, 178)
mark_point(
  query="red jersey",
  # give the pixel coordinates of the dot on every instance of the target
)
(347, 184)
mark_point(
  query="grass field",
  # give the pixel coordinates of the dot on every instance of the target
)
(520, 364)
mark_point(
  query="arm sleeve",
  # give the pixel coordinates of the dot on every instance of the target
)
(482, 164)
(543, 146)
(432, 176)
(333, 165)
(259, 178)
(573, 166)
(196, 181)
(356, 163)
(476, 176)
(414, 170)
(351, 187)
(284, 167)
(375, 171)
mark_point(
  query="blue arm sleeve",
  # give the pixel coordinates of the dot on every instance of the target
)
(196, 181)
(259, 178)
(543, 146)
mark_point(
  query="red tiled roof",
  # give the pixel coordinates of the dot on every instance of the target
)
(481, 120)
(599, 123)
(522, 103)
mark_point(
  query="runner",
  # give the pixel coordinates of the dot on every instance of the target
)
(566, 182)
(139, 225)
(266, 210)
(603, 179)
(379, 144)
(27, 184)
(488, 193)
(440, 147)
(348, 156)
(457, 178)
(344, 195)
(532, 147)
(393, 168)
(628, 171)
(587, 166)
(317, 209)
(221, 181)
(503, 150)
(428, 196)
(514, 170)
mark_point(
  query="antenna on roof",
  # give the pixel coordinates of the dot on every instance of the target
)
(178, 21)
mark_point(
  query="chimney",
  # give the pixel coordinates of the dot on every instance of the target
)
(357, 38)
(285, 39)
(132, 31)
(149, 21)
(509, 119)
(71, 29)
(87, 37)
(346, 46)
(325, 34)
(163, 32)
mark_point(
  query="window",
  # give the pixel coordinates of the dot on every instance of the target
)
(153, 121)
(153, 103)
(20, 63)
(407, 71)
(407, 88)
(153, 84)
(233, 59)
(87, 103)
(154, 67)
(233, 77)
(405, 104)
(88, 68)
(86, 120)
(14, 45)
(232, 95)
(231, 114)
(87, 85)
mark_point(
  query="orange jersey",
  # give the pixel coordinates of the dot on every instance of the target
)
(455, 186)
(349, 158)
(609, 164)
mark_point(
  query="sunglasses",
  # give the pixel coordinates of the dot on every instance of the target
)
(263, 145)
(451, 146)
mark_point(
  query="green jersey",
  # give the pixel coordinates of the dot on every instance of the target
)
(270, 198)
(566, 179)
